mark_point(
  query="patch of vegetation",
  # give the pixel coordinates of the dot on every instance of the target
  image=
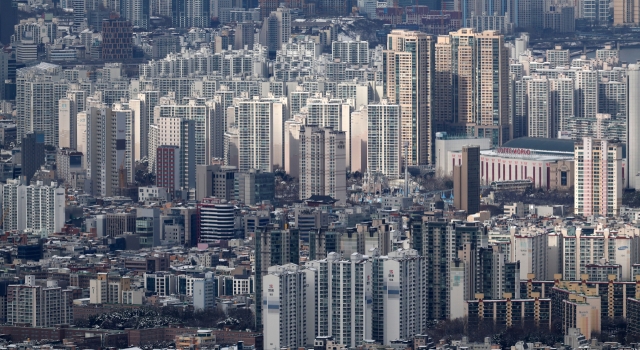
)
(150, 317)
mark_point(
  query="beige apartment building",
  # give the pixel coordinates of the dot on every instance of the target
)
(407, 74)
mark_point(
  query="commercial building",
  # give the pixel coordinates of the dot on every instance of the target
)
(32, 154)
(546, 163)
(116, 224)
(117, 40)
(161, 283)
(216, 220)
(466, 181)
(215, 181)
(203, 294)
(255, 186)
(599, 177)
(446, 143)
(168, 166)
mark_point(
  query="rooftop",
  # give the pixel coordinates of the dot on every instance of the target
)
(542, 144)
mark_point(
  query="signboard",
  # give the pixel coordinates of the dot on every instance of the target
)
(514, 151)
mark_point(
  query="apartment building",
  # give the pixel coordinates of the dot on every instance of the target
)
(598, 177)
(407, 83)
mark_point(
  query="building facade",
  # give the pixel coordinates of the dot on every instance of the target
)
(598, 179)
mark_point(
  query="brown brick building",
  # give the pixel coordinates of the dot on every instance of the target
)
(117, 40)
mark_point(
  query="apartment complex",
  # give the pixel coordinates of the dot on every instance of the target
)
(36, 207)
(39, 306)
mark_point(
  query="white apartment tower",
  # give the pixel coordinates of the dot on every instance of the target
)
(586, 93)
(598, 177)
(45, 208)
(256, 126)
(36, 207)
(584, 246)
(562, 106)
(14, 206)
(530, 248)
(540, 122)
(38, 90)
(292, 130)
(633, 126)
(343, 286)
(384, 152)
(322, 163)
(193, 109)
(558, 57)
(106, 148)
(67, 118)
(400, 295)
(287, 296)
(330, 113)
(351, 52)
